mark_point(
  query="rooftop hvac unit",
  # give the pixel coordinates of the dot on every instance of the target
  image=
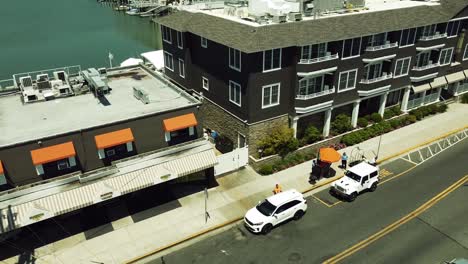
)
(42, 77)
(141, 95)
(293, 16)
(26, 81)
(43, 84)
(102, 71)
(279, 19)
(60, 75)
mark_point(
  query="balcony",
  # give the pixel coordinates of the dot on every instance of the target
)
(426, 67)
(431, 98)
(316, 60)
(384, 77)
(415, 103)
(437, 35)
(326, 91)
(387, 45)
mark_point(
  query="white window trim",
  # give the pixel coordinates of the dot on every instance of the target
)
(181, 62)
(355, 80)
(240, 60)
(207, 87)
(309, 55)
(280, 60)
(170, 34)
(465, 54)
(263, 94)
(180, 40)
(240, 95)
(414, 39)
(396, 62)
(372, 39)
(354, 56)
(451, 56)
(172, 59)
(203, 42)
(458, 28)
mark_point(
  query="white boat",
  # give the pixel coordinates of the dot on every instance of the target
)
(133, 12)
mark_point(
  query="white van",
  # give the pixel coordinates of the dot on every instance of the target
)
(357, 179)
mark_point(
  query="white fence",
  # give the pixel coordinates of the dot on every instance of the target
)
(232, 161)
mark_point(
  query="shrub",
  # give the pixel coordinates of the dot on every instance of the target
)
(396, 110)
(388, 114)
(311, 135)
(395, 123)
(376, 117)
(280, 141)
(442, 108)
(362, 122)
(367, 117)
(432, 109)
(410, 119)
(464, 99)
(417, 113)
(341, 124)
(266, 169)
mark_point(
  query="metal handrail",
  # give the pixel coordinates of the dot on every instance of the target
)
(435, 36)
(317, 94)
(384, 46)
(324, 58)
(378, 79)
(425, 67)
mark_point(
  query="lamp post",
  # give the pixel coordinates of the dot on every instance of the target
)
(111, 57)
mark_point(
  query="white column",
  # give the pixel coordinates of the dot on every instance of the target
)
(294, 125)
(326, 123)
(439, 90)
(383, 101)
(404, 102)
(422, 98)
(355, 114)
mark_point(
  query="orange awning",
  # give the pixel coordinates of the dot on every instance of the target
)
(329, 155)
(1, 167)
(53, 153)
(180, 122)
(115, 138)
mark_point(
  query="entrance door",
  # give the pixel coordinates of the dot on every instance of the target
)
(240, 140)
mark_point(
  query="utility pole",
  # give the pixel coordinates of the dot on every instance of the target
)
(111, 57)
(207, 215)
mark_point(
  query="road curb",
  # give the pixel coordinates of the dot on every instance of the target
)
(423, 144)
(328, 181)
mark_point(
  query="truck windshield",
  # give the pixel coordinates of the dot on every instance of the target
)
(353, 176)
(266, 208)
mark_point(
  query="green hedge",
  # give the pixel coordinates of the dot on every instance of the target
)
(311, 135)
(288, 161)
(280, 141)
(427, 110)
(464, 99)
(341, 124)
(362, 122)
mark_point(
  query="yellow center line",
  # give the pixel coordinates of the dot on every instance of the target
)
(398, 223)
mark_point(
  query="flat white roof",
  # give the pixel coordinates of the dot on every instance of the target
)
(25, 122)
(363, 169)
(371, 6)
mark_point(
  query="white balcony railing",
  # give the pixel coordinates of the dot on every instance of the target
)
(384, 76)
(318, 94)
(437, 35)
(324, 58)
(415, 103)
(431, 98)
(382, 47)
(425, 67)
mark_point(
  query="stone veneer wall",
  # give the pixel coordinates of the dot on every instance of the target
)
(218, 119)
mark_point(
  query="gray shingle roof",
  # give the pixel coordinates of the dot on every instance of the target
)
(253, 39)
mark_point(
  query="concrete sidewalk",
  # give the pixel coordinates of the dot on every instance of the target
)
(236, 193)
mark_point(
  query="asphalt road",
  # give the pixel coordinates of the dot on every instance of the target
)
(440, 233)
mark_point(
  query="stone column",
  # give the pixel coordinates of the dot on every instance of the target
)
(326, 123)
(383, 101)
(294, 125)
(404, 102)
(355, 114)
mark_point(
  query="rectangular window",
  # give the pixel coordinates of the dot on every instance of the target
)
(168, 61)
(428, 31)
(271, 60)
(205, 83)
(181, 68)
(314, 51)
(408, 37)
(180, 41)
(311, 85)
(270, 95)
(377, 40)
(351, 47)
(402, 67)
(235, 93)
(204, 42)
(446, 56)
(63, 165)
(235, 59)
(373, 71)
(465, 55)
(166, 34)
(423, 59)
(452, 28)
(347, 80)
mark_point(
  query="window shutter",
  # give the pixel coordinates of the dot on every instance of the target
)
(129, 146)
(191, 131)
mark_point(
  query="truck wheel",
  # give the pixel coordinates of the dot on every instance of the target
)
(352, 197)
(267, 228)
(373, 187)
(298, 215)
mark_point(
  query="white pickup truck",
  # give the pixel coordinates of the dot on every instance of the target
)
(357, 179)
